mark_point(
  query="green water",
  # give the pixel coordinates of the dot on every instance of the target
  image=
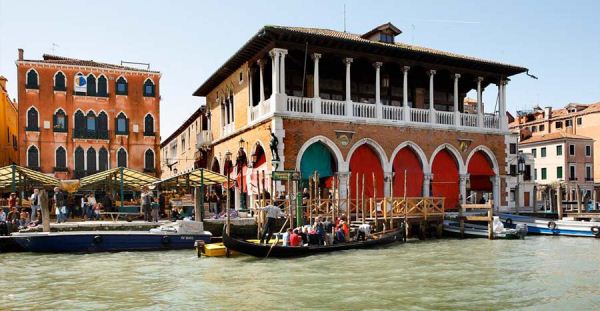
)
(548, 273)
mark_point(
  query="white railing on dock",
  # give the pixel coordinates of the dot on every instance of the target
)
(362, 110)
(444, 117)
(392, 113)
(468, 119)
(419, 115)
(333, 107)
(490, 121)
(299, 104)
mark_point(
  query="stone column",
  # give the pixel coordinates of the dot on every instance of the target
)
(496, 192)
(316, 95)
(282, 54)
(274, 72)
(378, 109)
(261, 65)
(388, 178)
(406, 109)
(479, 103)
(457, 121)
(462, 186)
(348, 61)
(427, 177)
(431, 74)
(503, 118)
(343, 188)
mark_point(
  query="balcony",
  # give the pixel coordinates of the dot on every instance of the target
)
(32, 128)
(337, 110)
(228, 129)
(203, 138)
(89, 134)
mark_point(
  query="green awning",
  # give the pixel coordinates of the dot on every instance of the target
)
(193, 178)
(131, 179)
(15, 177)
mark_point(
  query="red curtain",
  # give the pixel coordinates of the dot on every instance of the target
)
(259, 168)
(480, 170)
(445, 178)
(365, 161)
(407, 161)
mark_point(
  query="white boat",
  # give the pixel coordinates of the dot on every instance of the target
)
(553, 227)
(481, 231)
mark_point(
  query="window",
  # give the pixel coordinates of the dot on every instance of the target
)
(33, 158)
(122, 125)
(559, 150)
(572, 150)
(102, 125)
(588, 151)
(542, 127)
(80, 125)
(59, 82)
(543, 152)
(183, 142)
(60, 121)
(535, 173)
(91, 85)
(527, 174)
(102, 87)
(386, 38)
(588, 172)
(32, 80)
(572, 172)
(148, 88)
(91, 161)
(568, 123)
(558, 124)
(102, 159)
(149, 161)
(534, 152)
(121, 86)
(122, 158)
(534, 129)
(544, 174)
(579, 121)
(559, 172)
(61, 159)
(148, 125)
(78, 162)
(513, 148)
(241, 77)
(32, 120)
(90, 122)
(513, 170)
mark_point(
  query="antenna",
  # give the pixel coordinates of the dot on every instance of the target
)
(54, 45)
(412, 34)
(344, 17)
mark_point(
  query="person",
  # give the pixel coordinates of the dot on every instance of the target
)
(146, 202)
(35, 202)
(12, 201)
(154, 213)
(92, 203)
(3, 228)
(295, 239)
(342, 225)
(286, 237)
(364, 232)
(59, 205)
(37, 219)
(303, 232)
(107, 203)
(162, 203)
(273, 213)
(319, 228)
(23, 219)
(84, 207)
(340, 237)
(329, 232)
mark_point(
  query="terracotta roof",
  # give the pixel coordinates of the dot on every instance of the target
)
(552, 136)
(61, 60)
(562, 113)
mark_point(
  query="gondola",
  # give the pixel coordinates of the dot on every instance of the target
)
(277, 251)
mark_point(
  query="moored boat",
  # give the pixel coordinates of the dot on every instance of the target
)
(553, 227)
(277, 251)
(481, 231)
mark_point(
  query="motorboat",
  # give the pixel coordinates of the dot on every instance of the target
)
(481, 231)
(546, 226)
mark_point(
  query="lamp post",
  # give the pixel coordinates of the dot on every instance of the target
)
(240, 161)
(227, 168)
(520, 171)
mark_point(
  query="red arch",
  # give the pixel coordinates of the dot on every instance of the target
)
(445, 178)
(365, 161)
(480, 170)
(408, 161)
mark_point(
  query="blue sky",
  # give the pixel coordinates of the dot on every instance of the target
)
(188, 40)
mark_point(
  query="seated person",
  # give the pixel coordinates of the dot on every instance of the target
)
(340, 237)
(37, 219)
(295, 239)
(364, 232)
(23, 219)
(286, 237)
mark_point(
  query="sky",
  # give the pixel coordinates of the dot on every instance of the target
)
(188, 40)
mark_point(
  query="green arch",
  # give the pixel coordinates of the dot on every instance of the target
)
(317, 157)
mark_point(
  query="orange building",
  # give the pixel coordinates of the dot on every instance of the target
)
(9, 152)
(78, 117)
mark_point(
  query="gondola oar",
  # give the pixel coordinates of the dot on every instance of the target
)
(277, 237)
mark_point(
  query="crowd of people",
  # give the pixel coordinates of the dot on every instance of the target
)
(324, 232)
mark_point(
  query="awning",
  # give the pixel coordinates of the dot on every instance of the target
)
(130, 178)
(192, 178)
(15, 177)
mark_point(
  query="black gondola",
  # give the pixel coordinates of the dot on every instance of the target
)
(277, 251)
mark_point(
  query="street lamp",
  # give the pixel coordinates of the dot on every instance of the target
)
(520, 171)
(240, 161)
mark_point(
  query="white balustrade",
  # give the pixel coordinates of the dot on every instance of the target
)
(490, 121)
(419, 115)
(392, 113)
(228, 129)
(469, 119)
(333, 107)
(299, 104)
(444, 117)
(362, 110)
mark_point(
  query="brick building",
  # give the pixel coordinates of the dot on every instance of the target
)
(9, 152)
(346, 105)
(78, 117)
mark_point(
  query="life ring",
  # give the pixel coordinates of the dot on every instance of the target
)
(97, 239)
(165, 240)
(551, 225)
(509, 221)
(596, 231)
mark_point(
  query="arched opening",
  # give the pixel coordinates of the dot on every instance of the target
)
(121, 124)
(480, 170)
(149, 161)
(59, 82)
(78, 162)
(91, 85)
(121, 86)
(33, 158)
(32, 80)
(148, 125)
(408, 163)
(259, 178)
(79, 131)
(148, 88)
(102, 159)
(445, 178)
(365, 162)
(122, 158)
(60, 121)
(32, 120)
(102, 86)
(91, 161)
(61, 159)
(102, 125)
(90, 124)
(241, 166)
(320, 159)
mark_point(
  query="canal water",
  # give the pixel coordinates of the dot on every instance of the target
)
(550, 273)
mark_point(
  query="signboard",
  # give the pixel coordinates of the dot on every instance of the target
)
(286, 175)
(80, 83)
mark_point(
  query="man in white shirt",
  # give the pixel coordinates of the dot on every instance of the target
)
(364, 231)
(273, 212)
(35, 203)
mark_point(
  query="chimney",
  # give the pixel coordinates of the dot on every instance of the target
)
(3, 82)
(20, 54)
(547, 113)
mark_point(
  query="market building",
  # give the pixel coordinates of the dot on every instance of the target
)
(9, 148)
(347, 106)
(78, 117)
